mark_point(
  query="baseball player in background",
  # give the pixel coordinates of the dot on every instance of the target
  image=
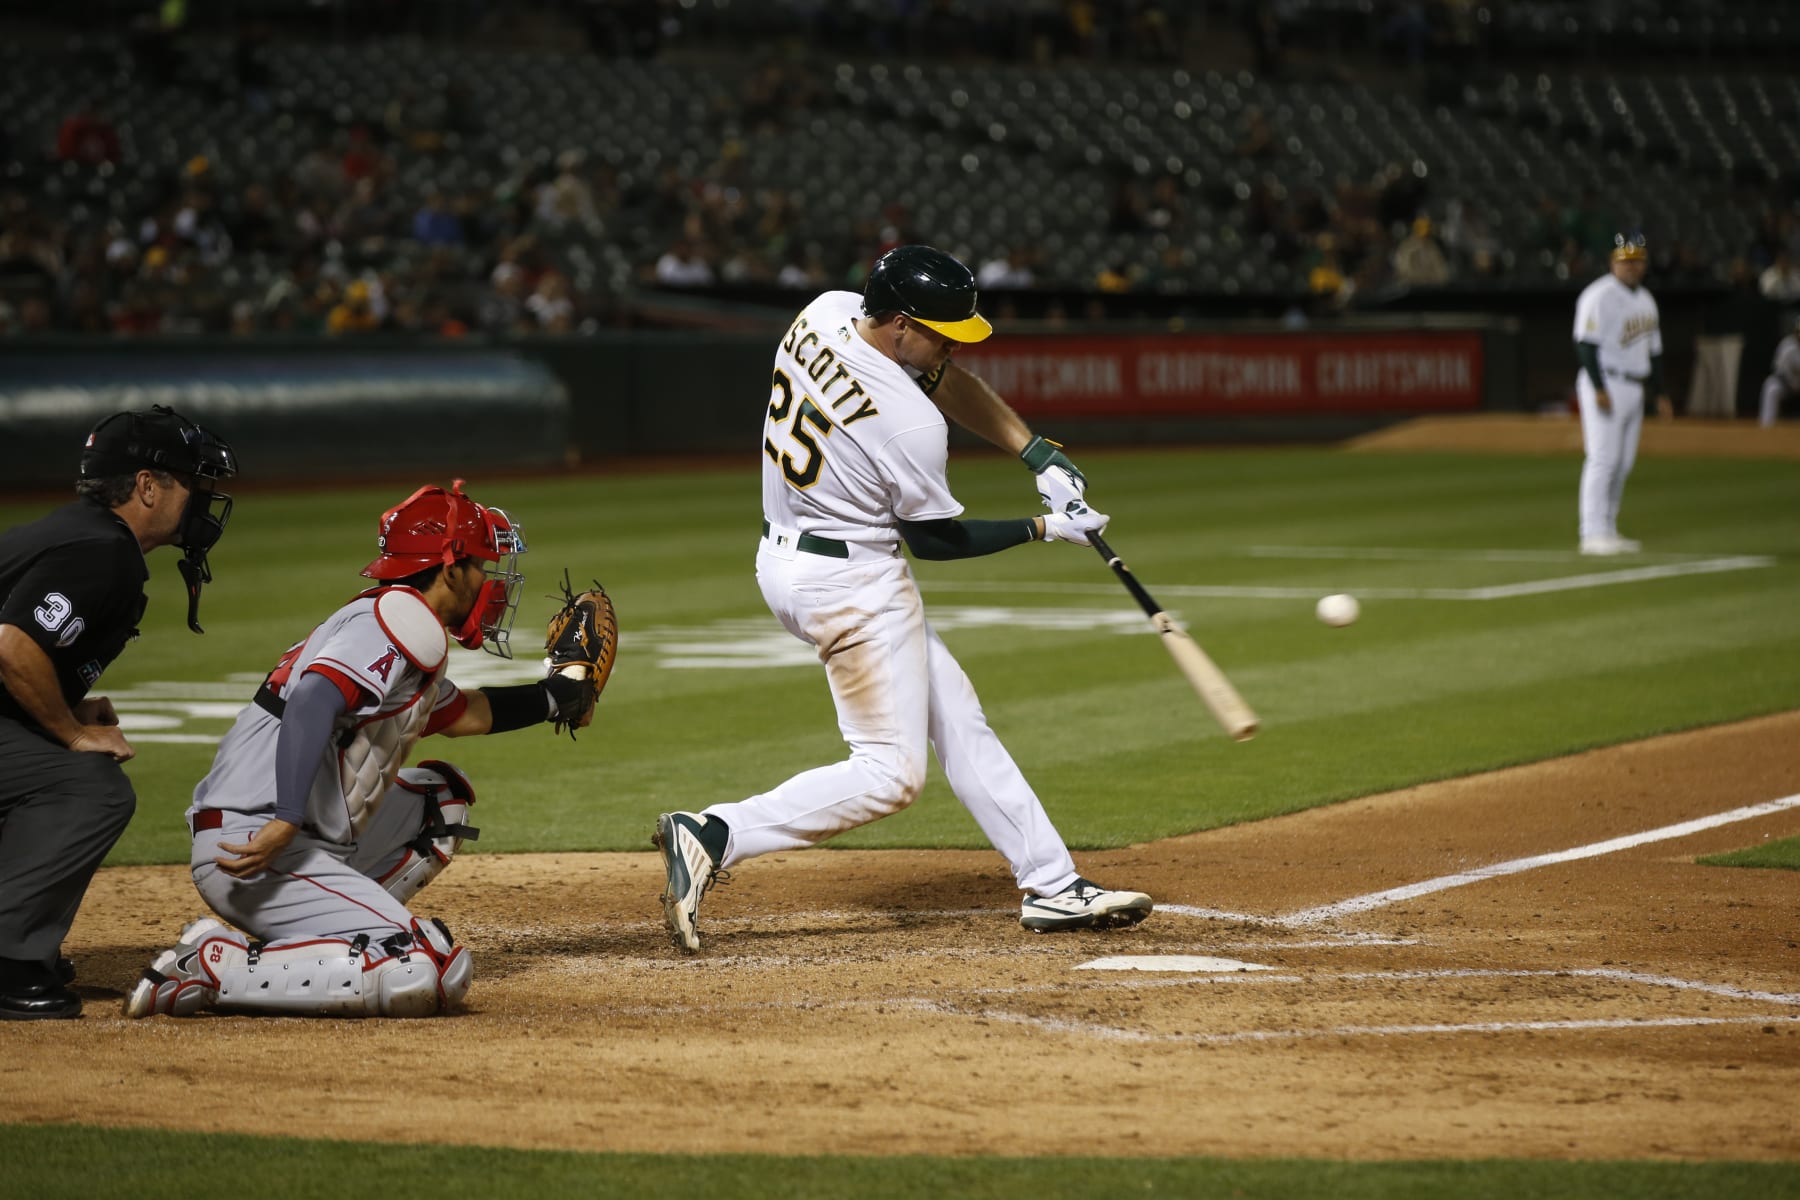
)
(854, 454)
(307, 834)
(1619, 344)
(1783, 383)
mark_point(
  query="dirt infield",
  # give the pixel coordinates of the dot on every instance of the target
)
(1623, 1004)
(1560, 433)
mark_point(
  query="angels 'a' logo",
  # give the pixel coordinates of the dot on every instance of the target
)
(384, 665)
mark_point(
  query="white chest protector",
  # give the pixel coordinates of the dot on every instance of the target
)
(374, 740)
(385, 651)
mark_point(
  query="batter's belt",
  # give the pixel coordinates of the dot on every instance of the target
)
(828, 547)
(1616, 374)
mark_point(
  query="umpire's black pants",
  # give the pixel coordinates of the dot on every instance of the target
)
(60, 813)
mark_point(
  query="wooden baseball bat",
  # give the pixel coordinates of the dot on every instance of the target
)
(1227, 707)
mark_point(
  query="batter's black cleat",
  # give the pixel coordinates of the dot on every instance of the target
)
(1084, 904)
(39, 1002)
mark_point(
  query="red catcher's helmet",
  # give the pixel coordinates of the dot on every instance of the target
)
(433, 527)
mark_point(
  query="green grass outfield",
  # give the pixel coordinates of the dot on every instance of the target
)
(1419, 689)
(1431, 683)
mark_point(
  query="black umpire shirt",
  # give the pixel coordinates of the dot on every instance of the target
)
(73, 581)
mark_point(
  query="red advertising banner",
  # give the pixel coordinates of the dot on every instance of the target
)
(1206, 374)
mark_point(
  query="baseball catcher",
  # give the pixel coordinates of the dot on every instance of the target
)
(311, 836)
(580, 643)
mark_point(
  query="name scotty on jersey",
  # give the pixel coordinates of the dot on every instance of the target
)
(822, 366)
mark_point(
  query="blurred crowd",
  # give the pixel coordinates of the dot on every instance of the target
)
(322, 245)
(331, 243)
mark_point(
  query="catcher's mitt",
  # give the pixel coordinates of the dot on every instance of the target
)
(579, 644)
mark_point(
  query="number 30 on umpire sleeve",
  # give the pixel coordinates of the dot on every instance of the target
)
(781, 402)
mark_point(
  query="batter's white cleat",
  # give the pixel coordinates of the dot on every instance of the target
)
(1084, 904)
(690, 868)
(1604, 547)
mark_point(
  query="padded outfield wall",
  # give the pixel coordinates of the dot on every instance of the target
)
(337, 409)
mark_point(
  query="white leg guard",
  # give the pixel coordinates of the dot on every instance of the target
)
(176, 983)
(456, 970)
(407, 975)
(446, 794)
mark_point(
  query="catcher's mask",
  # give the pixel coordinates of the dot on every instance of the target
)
(164, 440)
(433, 527)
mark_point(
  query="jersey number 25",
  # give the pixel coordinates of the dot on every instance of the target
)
(781, 404)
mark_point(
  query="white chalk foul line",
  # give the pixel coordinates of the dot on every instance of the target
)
(1119, 1033)
(1357, 904)
(1724, 991)
(1346, 1031)
(1427, 554)
(1508, 591)
(1570, 583)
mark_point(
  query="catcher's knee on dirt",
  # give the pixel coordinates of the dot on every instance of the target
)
(446, 796)
(411, 974)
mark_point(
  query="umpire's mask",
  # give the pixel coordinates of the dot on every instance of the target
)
(164, 440)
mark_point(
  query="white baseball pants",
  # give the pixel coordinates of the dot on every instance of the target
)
(1611, 442)
(897, 688)
(1774, 392)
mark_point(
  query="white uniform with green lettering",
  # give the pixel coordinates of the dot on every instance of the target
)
(852, 445)
(1623, 323)
(1783, 382)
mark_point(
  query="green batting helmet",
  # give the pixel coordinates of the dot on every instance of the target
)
(930, 287)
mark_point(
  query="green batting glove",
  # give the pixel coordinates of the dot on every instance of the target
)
(1041, 453)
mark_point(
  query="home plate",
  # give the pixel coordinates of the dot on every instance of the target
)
(1170, 962)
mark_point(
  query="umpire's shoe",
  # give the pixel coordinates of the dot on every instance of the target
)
(1084, 904)
(30, 992)
(692, 847)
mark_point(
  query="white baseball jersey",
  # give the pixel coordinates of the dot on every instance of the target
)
(385, 651)
(852, 445)
(1623, 322)
(1786, 366)
(851, 442)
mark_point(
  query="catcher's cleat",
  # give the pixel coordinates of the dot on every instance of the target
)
(175, 983)
(691, 865)
(1084, 905)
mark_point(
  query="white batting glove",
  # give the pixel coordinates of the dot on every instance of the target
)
(1074, 526)
(1061, 490)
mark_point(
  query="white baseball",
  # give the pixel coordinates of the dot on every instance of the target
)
(1338, 610)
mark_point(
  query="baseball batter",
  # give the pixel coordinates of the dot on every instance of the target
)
(1783, 383)
(1618, 341)
(854, 457)
(307, 834)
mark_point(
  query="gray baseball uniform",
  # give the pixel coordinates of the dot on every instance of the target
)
(385, 652)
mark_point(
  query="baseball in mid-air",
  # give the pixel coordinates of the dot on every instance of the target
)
(1338, 610)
